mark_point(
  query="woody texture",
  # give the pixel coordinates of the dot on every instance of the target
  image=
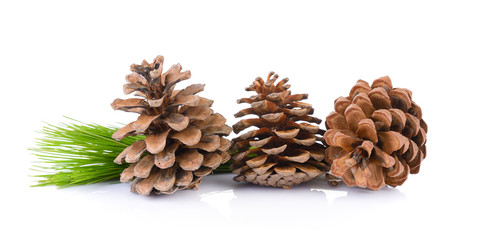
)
(376, 135)
(285, 147)
(184, 137)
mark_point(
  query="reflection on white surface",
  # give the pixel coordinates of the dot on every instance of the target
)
(219, 200)
(314, 206)
(343, 194)
(331, 195)
(241, 201)
(220, 197)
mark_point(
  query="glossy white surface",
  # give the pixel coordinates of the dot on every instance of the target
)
(222, 208)
(70, 58)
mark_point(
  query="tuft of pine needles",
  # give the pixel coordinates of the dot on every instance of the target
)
(77, 153)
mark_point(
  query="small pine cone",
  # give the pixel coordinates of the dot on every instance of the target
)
(282, 152)
(376, 135)
(184, 137)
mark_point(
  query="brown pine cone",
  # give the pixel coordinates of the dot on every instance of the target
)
(184, 137)
(376, 135)
(282, 152)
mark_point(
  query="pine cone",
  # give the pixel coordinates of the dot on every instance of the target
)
(184, 137)
(282, 152)
(376, 135)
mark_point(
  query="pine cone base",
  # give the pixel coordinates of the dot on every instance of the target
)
(275, 180)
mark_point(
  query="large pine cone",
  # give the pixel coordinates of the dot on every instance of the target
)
(184, 137)
(282, 152)
(376, 135)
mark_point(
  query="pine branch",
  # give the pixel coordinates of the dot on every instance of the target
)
(77, 154)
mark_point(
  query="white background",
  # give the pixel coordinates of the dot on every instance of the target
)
(70, 58)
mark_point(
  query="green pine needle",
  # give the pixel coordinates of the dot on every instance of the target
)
(77, 154)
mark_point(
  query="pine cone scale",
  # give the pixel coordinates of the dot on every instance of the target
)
(144, 166)
(189, 136)
(183, 178)
(177, 121)
(166, 158)
(135, 152)
(166, 179)
(144, 186)
(143, 122)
